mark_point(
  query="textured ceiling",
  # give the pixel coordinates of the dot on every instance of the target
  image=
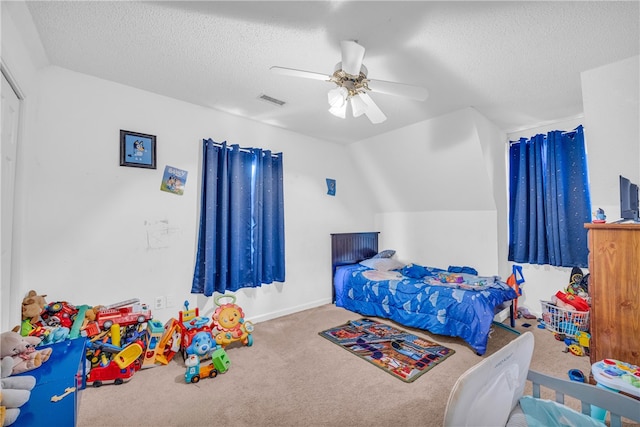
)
(518, 63)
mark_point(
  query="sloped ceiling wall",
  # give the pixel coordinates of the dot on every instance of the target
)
(435, 165)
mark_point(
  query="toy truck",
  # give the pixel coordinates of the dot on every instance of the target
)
(196, 370)
(59, 313)
(123, 316)
(110, 374)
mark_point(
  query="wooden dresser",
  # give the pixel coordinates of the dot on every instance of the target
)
(614, 288)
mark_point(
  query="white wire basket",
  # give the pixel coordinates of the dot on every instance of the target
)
(564, 321)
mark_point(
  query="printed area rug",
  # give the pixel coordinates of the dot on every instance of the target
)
(400, 353)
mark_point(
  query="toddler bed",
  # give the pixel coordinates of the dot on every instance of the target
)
(498, 382)
(459, 304)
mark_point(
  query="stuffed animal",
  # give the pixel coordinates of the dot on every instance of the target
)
(202, 345)
(22, 351)
(90, 315)
(32, 306)
(14, 392)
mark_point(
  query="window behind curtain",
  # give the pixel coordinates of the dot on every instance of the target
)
(241, 236)
(549, 199)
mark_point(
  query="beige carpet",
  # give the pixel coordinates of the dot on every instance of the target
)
(291, 376)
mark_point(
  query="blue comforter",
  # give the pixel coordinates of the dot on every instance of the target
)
(458, 305)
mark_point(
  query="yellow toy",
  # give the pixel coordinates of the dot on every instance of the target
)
(228, 319)
(128, 355)
(584, 340)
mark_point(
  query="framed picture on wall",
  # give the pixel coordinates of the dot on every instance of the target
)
(137, 150)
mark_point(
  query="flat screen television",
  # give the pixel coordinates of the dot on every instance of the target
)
(628, 200)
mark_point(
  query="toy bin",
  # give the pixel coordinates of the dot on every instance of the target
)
(564, 321)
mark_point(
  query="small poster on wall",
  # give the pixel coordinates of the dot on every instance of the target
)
(331, 187)
(173, 180)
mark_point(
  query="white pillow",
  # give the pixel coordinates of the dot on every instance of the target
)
(382, 264)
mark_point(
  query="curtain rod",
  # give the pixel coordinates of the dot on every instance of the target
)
(550, 122)
(245, 149)
(539, 133)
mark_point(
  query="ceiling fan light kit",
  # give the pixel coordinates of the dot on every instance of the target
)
(338, 96)
(358, 106)
(350, 77)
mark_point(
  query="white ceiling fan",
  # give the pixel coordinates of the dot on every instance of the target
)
(350, 76)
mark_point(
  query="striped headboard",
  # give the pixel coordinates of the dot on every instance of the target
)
(350, 248)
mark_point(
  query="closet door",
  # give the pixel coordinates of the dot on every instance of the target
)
(10, 120)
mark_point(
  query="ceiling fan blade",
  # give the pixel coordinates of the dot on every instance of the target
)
(398, 89)
(373, 112)
(300, 73)
(352, 56)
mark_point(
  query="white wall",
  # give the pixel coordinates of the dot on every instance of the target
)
(612, 116)
(22, 55)
(94, 232)
(435, 185)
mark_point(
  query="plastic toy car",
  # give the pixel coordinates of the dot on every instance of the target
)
(123, 316)
(59, 313)
(110, 374)
(195, 370)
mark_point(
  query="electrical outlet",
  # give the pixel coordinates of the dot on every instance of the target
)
(160, 303)
(171, 300)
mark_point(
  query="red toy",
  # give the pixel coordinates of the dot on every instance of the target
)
(136, 313)
(59, 313)
(574, 300)
(110, 374)
(191, 324)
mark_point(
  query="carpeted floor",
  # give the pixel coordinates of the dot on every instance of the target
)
(292, 376)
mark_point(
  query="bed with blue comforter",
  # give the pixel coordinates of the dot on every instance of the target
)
(453, 303)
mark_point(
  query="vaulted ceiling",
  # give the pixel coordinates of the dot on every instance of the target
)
(517, 62)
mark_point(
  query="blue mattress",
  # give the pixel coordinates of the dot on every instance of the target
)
(463, 307)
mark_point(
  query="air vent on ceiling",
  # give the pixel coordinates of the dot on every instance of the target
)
(271, 100)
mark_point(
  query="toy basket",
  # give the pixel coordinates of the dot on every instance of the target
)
(563, 321)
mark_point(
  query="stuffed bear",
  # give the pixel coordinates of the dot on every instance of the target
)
(22, 351)
(32, 306)
(90, 315)
(14, 392)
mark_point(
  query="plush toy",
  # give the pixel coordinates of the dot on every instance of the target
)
(32, 306)
(22, 351)
(202, 345)
(14, 392)
(90, 315)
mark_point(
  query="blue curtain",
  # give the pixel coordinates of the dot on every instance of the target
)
(549, 199)
(241, 237)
